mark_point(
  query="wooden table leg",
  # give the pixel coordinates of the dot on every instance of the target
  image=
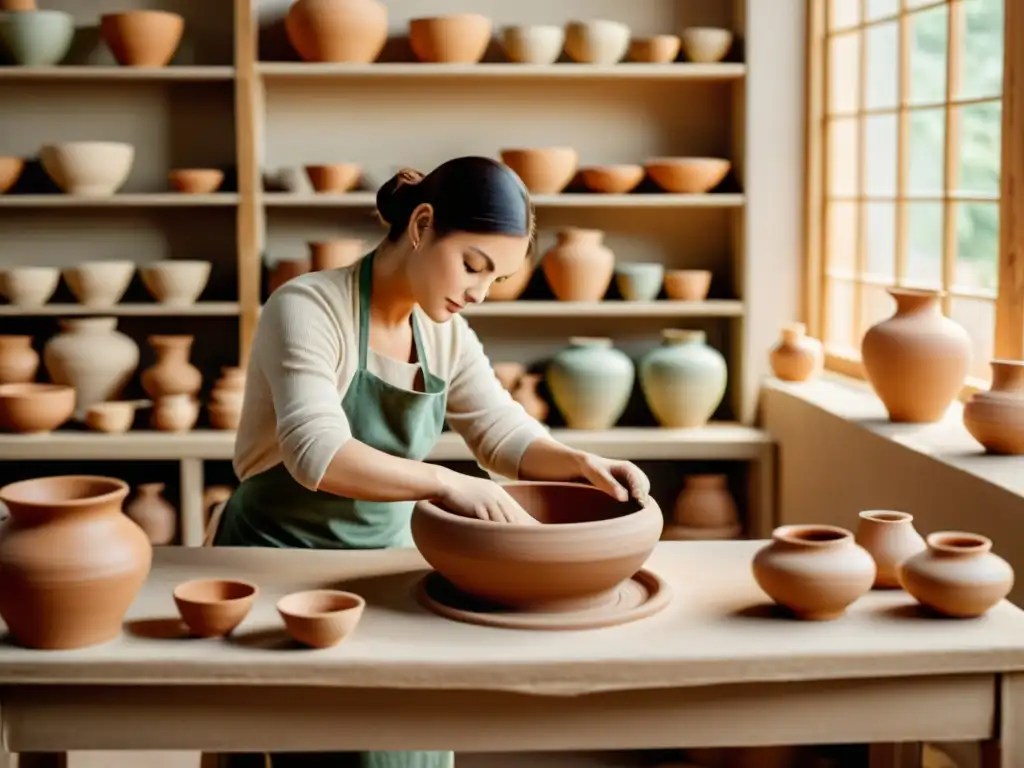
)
(1006, 750)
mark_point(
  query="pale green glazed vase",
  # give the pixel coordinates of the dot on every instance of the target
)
(35, 38)
(684, 379)
(590, 382)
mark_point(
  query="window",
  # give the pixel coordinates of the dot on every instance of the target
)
(905, 157)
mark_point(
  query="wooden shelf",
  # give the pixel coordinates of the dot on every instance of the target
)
(142, 200)
(667, 308)
(287, 70)
(581, 200)
(199, 309)
(118, 74)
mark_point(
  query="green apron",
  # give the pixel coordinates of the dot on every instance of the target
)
(271, 509)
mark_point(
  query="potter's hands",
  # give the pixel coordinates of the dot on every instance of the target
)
(481, 498)
(620, 479)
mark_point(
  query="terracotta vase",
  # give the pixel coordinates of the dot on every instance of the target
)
(525, 393)
(92, 356)
(225, 404)
(704, 510)
(684, 379)
(353, 31)
(579, 267)
(149, 510)
(590, 382)
(172, 373)
(174, 413)
(512, 287)
(285, 270)
(890, 538)
(142, 38)
(797, 357)
(815, 571)
(958, 575)
(916, 360)
(996, 418)
(335, 254)
(19, 362)
(71, 563)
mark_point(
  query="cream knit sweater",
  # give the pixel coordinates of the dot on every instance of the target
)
(305, 352)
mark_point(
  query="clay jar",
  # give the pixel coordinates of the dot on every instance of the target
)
(19, 363)
(172, 373)
(816, 571)
(890, 538)
(353, 31)
(797, 357)
(175, 413)
(684, 379)
(704, 510)
(994, 418)
(225, 406)
(916, 360)
(590, 382)
(525, 393)
(153, 513)
(71, 563)
(578, 267)
(92, 356)
(958, 575)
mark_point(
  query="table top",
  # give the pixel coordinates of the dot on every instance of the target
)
(720, 628)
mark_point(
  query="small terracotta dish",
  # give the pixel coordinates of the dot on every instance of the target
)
(612, 179)
(659, 49)
(321, 618)
(35, 408)
(688, 284)
(196, 181)
(214, 607)
(459, 38)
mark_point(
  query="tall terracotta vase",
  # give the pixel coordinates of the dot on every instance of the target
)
(172, 373)
(149, 510)
(684, 379)
(19, 363)
(338, 30)
(996, 418)
(797, 357)
(92, 356)
(71, 563)
(579, 267)
(590, 382)
(916, 360)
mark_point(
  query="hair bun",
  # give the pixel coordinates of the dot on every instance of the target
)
(398, 196)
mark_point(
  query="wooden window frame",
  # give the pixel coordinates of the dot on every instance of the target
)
(1009, 302)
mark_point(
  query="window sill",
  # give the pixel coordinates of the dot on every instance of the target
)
(947, 441)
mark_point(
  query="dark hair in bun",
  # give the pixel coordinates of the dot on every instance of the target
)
(468, 194)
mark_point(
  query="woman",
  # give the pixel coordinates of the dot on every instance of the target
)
(353, 372)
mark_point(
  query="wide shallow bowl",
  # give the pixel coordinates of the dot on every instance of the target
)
(687, 175)
(196, 181)
(34, 407)
(461, 38)
(588, 544)
(320, 617)
(88, 168)
(214, 607)
(35, 38)
(334, 177)
(612, 179)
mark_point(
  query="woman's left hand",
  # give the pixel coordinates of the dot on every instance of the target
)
(619, 479)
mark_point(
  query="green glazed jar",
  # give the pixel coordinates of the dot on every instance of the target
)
(684, 379)
(590, 382)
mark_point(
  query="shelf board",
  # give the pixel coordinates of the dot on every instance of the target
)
(287, 70)
(717, 441)
(661, 308)
(130, 200)
(116, 73)
(572, 200)
(199, 309)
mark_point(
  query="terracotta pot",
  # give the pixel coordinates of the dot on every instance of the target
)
(352, 31)
(334, 178)
(92, 356)
(35, 408)
(525, 393)
(683, 380)
(157, 518)
(196, 181)
(816, 571)
(142, 38)
(214, 607)
(285, 270)
(590, 382)
(544, 170)
(659, 49)
(797, 357)
(687, 175)
(17, 5)
(704, 510)
(337, 253)
(579, 267)
(612, 179)
(175, 413)
(688, 284)
(890, 538)
(958, 575)
(10, 171)
(71, 563)
(513, 286)
(19, 362)
(995, 418)
(226, 397)
(916, 360)
(459, 38)
(587, 545)
(172, 373)
(320, 618)
(116, 417)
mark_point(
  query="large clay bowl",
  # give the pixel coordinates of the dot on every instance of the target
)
(214, 607)
(99, 283)
(35, 38)
(461, 38)
(320, 618)
(587, 545)
(176, 282)
(687, 175)
(88, 168)
(544, 170)
(34, 408)
(142, 38)
(612, 179)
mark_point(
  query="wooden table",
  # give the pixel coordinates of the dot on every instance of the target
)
(718, 667)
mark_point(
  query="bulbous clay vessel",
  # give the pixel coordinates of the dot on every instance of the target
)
(153, 513)
(142, 38)
(797, 357)
(958, 575)
(916, 360)
(174, 413)
(525, 393)
(92, 356)
(19, 363)
(579, 267)
(996, 418)
(225, 406)
(172, 373)
(684, 379)
(590, 382)
(816, 571)
(890, 538)
(512, 288)
(587, 545)
(704, 510)
(353, 31)
(70, 562)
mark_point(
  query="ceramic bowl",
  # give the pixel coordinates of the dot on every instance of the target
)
(214, 607)
(99, 283)
(334, 177)
(688, 284)
(142, 38)
(587, 544)
(176, 282)
(321, 618)
(659, 49)
(10, 171)
(35, 408)
(196, 181)
(596, 41)
(35, 38)
(544, 170)
(461, 38)
(88, 168)
(536, 44)
(705, 45)
(639, 281)
(687, 175)
(612, 179)
(114, 417)
(29, 286)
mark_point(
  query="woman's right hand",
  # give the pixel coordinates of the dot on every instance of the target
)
(481, 498)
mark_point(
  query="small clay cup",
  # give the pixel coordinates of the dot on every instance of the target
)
(320, 618)
(214, 607)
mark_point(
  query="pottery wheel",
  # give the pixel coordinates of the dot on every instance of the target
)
(637, 598)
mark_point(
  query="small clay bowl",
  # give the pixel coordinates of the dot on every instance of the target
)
(687, 175)
(114, 417)
(196, 181)
(687, 284)
(612, 179)
(334, 178)
(10, 171)
(659, 49)
(321, 618)
(35, 408)
(214, 607)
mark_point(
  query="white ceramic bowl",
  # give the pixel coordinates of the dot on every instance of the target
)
(705, 45)
(29, 286)
(99, 283)
(176, 282)
(597, 41)
(88, 168)
(537, 44)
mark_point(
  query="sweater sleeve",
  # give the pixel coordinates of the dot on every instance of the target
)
(497, 429)
(298, 348)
